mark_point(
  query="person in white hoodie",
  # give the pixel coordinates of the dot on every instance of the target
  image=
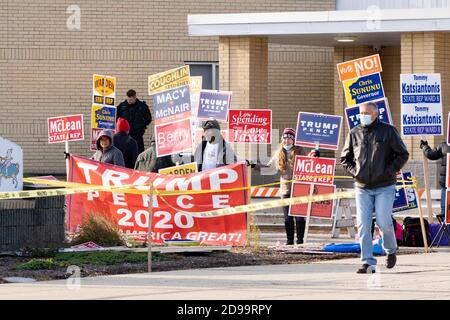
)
(213, 151)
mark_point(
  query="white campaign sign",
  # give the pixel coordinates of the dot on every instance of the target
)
(421, 104)
(11, 166)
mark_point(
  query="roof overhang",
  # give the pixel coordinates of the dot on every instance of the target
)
(382, 27)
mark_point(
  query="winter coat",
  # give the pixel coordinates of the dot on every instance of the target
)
(439, 152)
(225, 155)
(373, 155)
(112, 155)
(138, 116)
(128, 146)
(147, 160)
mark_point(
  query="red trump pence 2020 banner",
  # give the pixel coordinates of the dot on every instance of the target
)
(250, 125)
(169, 222)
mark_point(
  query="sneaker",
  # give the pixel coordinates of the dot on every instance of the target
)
(391, 260)
(299, 241)
(290, 242)
(366, 268)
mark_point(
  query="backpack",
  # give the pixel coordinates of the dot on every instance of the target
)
(412, 232)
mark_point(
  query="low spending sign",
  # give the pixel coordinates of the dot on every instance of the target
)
(250, 126)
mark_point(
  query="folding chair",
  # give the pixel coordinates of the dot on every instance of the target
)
(443, 229)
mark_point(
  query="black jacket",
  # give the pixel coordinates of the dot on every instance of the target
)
(373, 154)
(439, 152)
(128, 146)
(137, 115)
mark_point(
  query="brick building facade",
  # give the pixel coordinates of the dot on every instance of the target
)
(47, 68)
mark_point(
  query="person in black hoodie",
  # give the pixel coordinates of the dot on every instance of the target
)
(440, 152)
(125, 143)
(137, 114)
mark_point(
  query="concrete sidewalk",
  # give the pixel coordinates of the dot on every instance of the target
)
(419, 276)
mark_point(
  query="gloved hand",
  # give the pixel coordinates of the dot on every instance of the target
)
(250, 164)
(66, 155)
(314, 153)
(423, 144)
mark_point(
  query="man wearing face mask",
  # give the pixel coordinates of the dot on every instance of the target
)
(372, 154)
(214, 151)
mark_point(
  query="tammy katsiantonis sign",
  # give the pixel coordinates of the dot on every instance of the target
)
(250, 126)
(320, 130)
(421, 104)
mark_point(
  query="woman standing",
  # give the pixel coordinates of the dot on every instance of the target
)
(284, 160)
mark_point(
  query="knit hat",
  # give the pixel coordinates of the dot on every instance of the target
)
(123, 125)
(289, 133)
(211, 124)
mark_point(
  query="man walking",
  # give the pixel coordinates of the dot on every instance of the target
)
(137, 114)
(372, 154)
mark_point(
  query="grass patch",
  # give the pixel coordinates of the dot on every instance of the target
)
(37, 264)
(96, 258)
(105, 258)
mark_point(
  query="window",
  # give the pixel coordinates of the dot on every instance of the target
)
(209, 71)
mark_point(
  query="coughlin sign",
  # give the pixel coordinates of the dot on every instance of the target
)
(167, 80)
(172, 214)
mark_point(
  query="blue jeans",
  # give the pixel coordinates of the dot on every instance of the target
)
(380, 201)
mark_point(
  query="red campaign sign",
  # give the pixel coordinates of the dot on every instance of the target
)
(250, 125)
(174, 137)
(448, 128)
(314, 170)
(171, 218)
(447, 180)
(94, 135)
(319, 209)
(66, 128)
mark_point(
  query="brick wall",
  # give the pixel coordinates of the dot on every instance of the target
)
(46, 69)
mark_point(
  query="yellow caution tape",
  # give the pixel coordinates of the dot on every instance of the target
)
(130, 189)
(268, 204)
(71, 188)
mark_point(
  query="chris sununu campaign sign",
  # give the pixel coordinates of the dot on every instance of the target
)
(421, 104)
(363, 89)
(318, 129)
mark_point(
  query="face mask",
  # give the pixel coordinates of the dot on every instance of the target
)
(287, 148)
(366, 119)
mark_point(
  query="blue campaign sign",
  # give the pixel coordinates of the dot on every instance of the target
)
(363, 89)
(411, 194)
(401, 200)
(172, 105)
(214, 105)
(103, 117)
(352, 113)
(318, 129)
(421, 104)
